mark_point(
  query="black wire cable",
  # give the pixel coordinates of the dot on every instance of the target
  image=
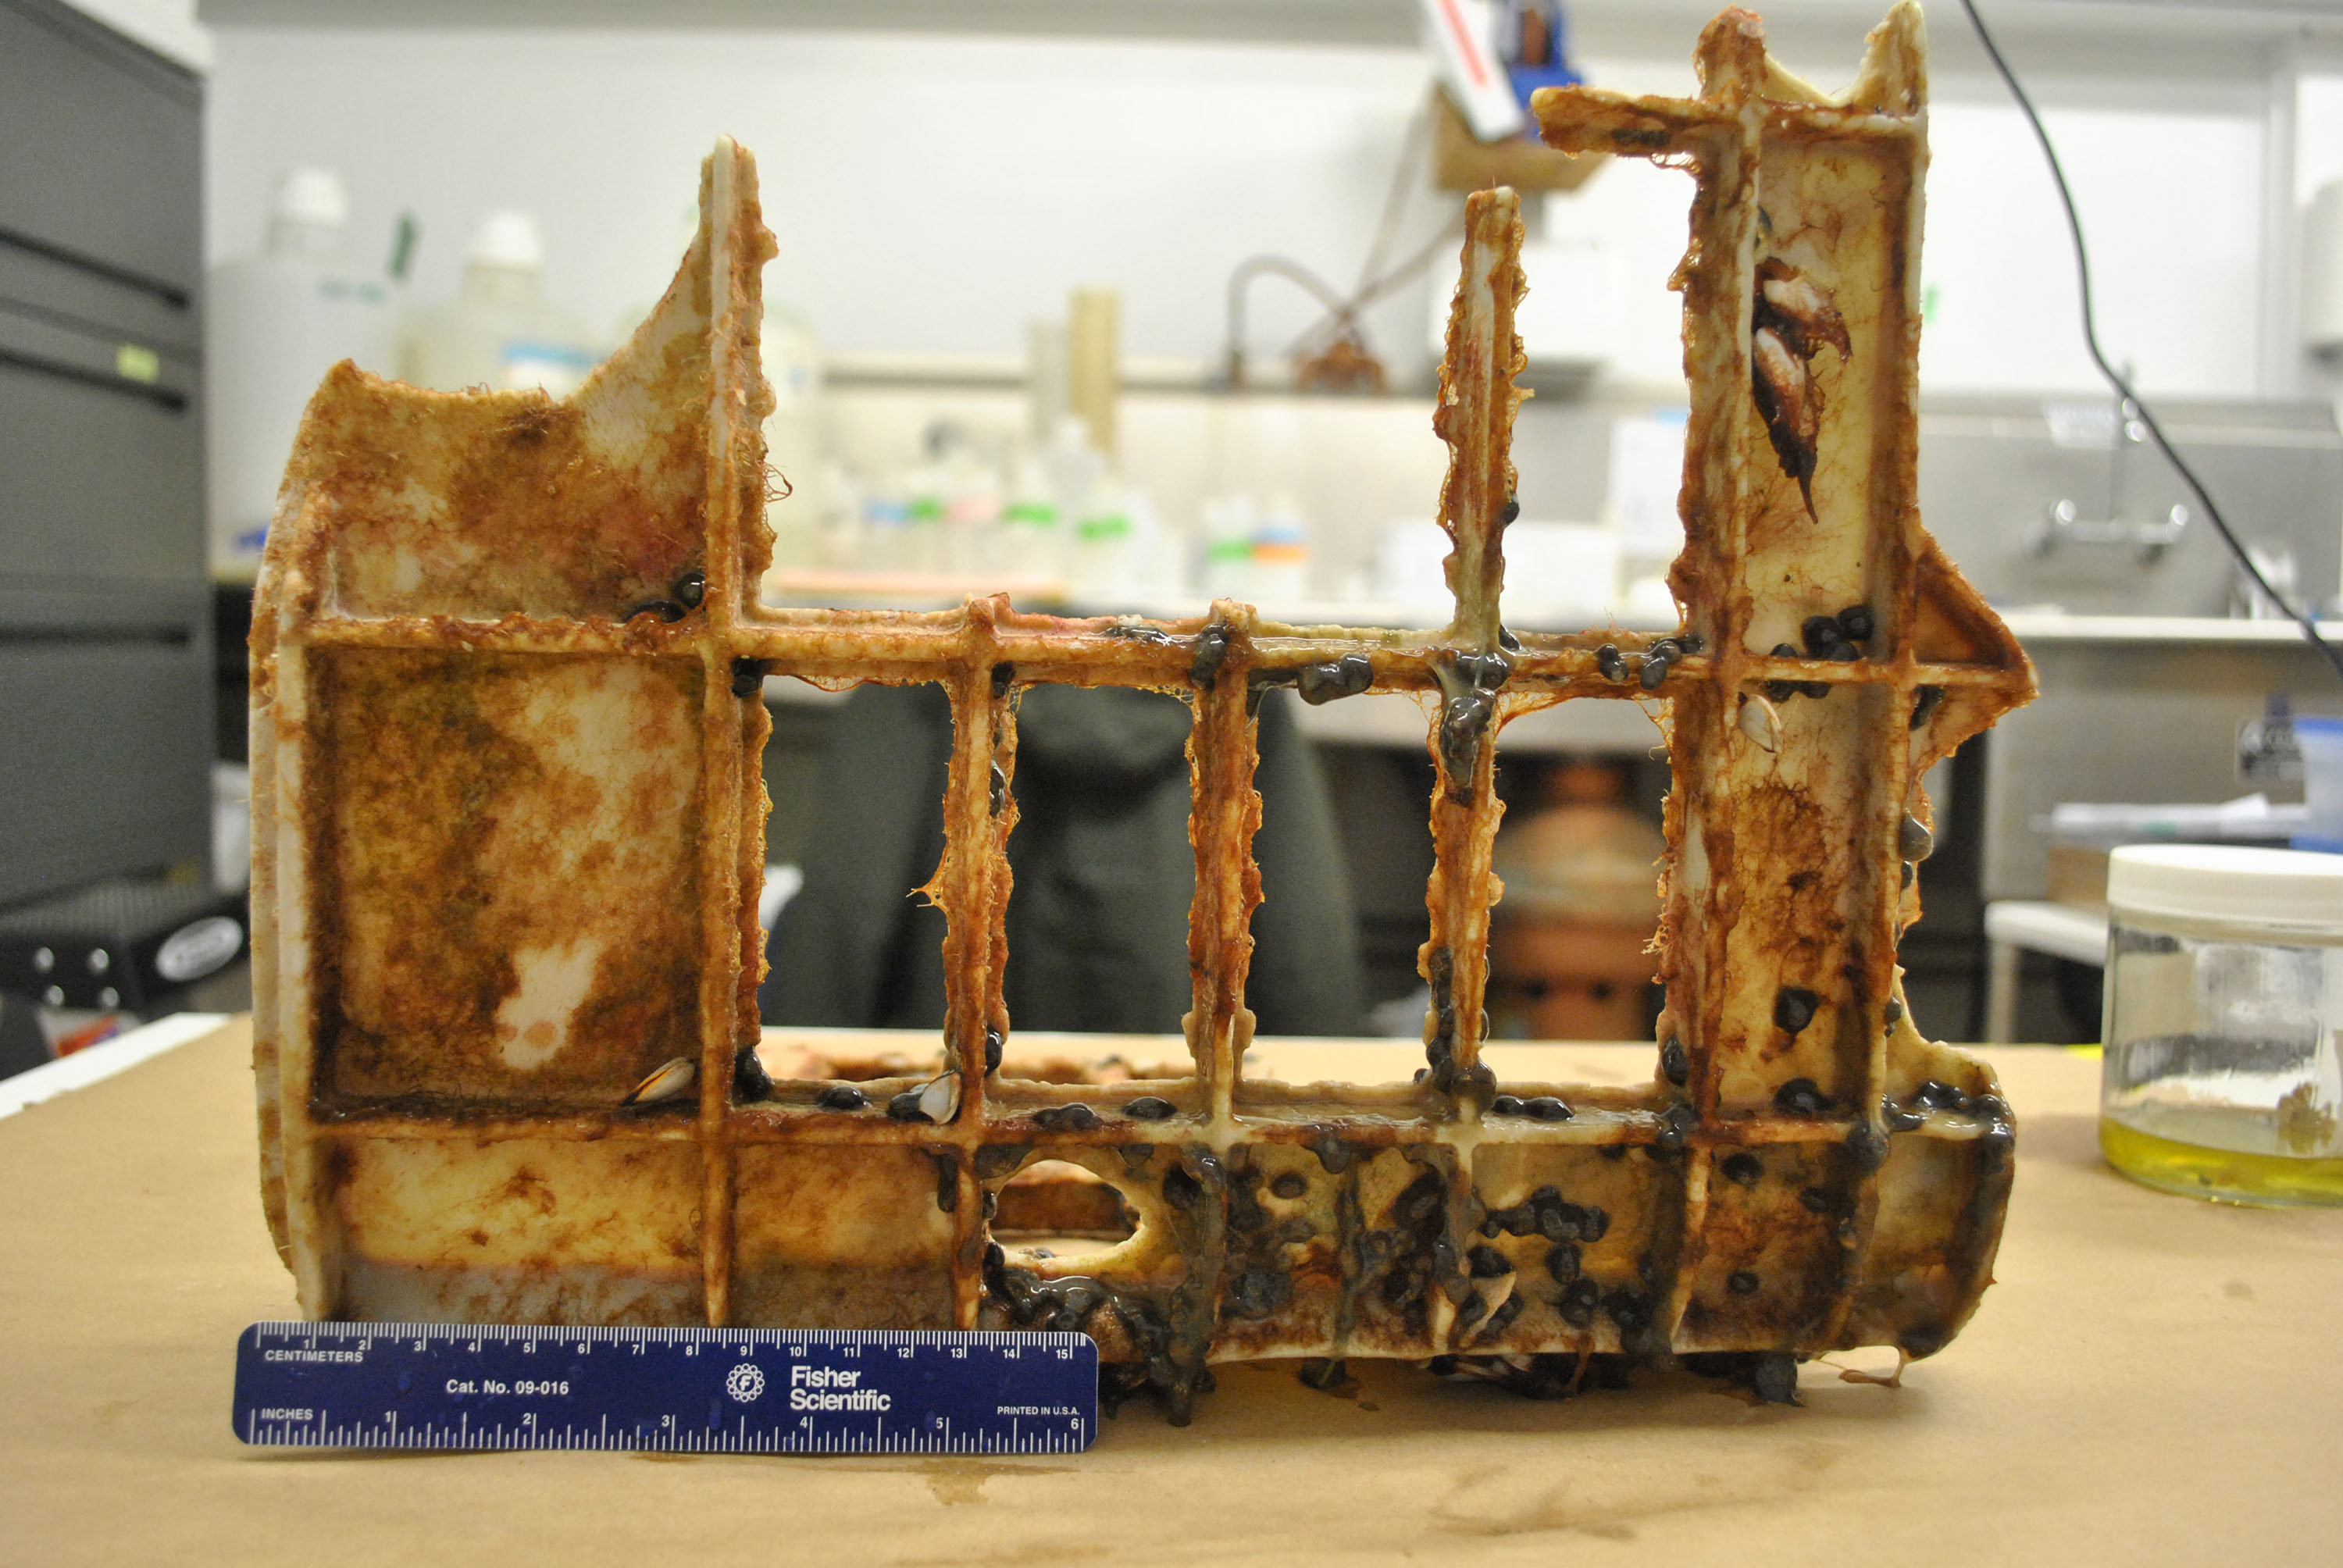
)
(2115, 379)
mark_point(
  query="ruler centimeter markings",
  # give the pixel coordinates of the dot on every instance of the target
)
(681, 1391)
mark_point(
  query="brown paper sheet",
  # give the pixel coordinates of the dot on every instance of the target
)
(2154, 1379)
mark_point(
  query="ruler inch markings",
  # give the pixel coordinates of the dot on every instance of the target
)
(680, 1390)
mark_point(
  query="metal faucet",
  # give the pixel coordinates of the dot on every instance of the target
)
(2064, 522)
(2266, 748)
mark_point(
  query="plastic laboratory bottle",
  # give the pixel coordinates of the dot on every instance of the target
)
(274, 324)
(499, 332)
(1075, 467)
(972, 508)
(1281, 554)
(886, 541)
(1225, 570)
(1032, 528)
(1113, 550)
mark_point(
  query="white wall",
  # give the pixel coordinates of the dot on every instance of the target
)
(2171, 208)
(2319, 161)
(931, 193)
(2319, 109)
(2171, 204)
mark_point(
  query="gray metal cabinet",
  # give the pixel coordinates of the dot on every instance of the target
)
(104, 610)
(104, 152)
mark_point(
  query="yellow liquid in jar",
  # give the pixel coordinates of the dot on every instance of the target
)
(2204, 1170)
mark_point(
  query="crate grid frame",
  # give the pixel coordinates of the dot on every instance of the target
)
(1472, 677)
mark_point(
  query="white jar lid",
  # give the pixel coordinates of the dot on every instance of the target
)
(2227, 883)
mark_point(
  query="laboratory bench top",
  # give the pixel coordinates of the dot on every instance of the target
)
(2152, 1378)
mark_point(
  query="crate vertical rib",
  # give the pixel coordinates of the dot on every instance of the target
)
(1223, 815)
(1716, 499)
(992, 693)
(312, 1232)
(972, 883)
(1477, 404)
(739, 542)
(736, 450)
(722, 765)
(1893, 79)
(271, 975)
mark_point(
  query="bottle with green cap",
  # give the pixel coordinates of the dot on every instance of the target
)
(1032, 528)
(1225, 570)
(1110, 544)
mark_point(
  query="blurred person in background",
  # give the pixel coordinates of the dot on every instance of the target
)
(1103, 872)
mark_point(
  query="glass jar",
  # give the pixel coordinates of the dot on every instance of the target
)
(2224, 987)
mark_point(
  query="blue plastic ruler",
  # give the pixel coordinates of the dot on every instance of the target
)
(683, 1390)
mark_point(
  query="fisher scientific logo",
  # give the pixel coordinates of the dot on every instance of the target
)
(744, 1383)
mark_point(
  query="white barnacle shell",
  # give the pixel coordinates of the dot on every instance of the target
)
(1791, 411)
(1440, 1315)
(1761, 721)
(1493, 1294)
(940, 1098)
(1812, 319)
(670, 1079)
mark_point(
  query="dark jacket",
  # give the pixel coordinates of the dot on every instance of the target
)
(1097, 918)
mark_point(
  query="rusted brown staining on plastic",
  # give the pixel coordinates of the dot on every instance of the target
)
(972, 887)
(972, 884)
(462, 784)
(755, 806)
(536, 1211)
(272, 1154)
(1064, 1200)
(428, 971)
(832, 1235)
(502, 472)
(1475, 414)
(1779, 858)
(735, 450)
(1944, 634)
(1905, 1291)
(1601, 121)
(1454, 959)
(1152, 1300)
(720, 294)
(1319, 1220)
(1223, 749)
(469, 503)
(1768, 1264)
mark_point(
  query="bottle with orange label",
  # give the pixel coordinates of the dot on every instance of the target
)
(1281, 553)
